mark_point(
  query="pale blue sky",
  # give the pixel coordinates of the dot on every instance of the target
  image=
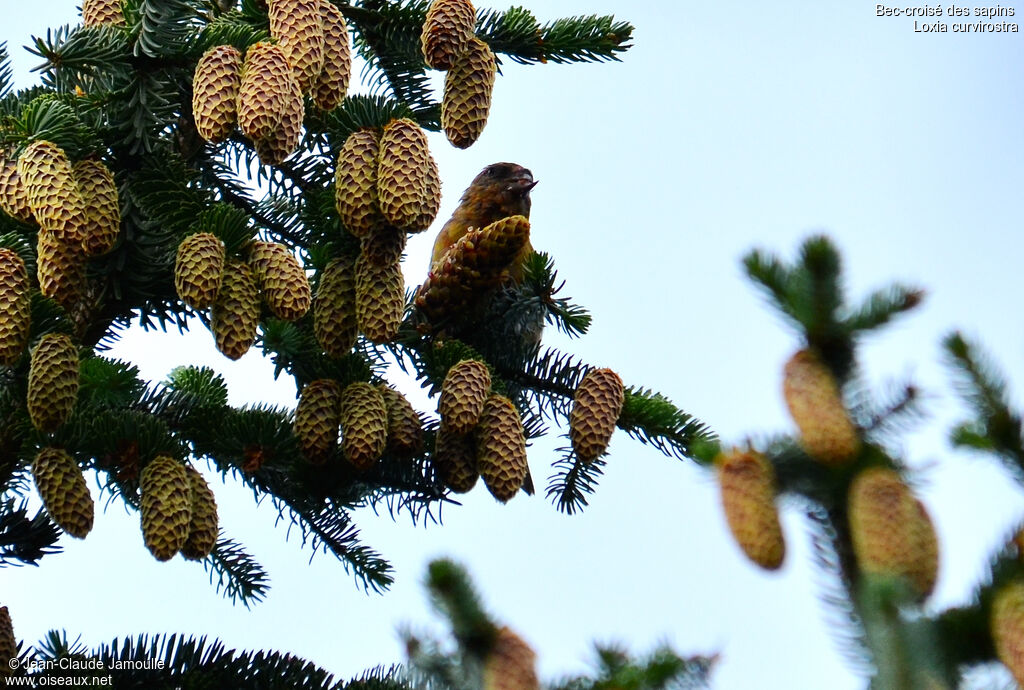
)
(729, 125)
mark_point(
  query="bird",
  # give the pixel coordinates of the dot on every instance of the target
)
(500, 190)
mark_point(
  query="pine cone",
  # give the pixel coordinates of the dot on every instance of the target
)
(355, 183)
(405, 432)
(13, 195)
(501, 448)
(334, 309)
(814, 402)
(925, 566)
(446, 31)
(60, 270)
(380, 300)
(1007, 625)
(317, 417)
(747, 482)
(384, 245)
(202, 528)
(53, 195)
(236, 312)
(198, 269)
(267, 84)
(403, 174)
(455, 461)
(463, 395)
(98, 12)
(52, 382)
(299, 29)
(364, 424)
(281, 279)
(429, 211)
(595, 410)
(166, 507)
(15, 307)
(8, 644)
(102, 206)
(511, 665)
(62, 487)
(468, 87)
(332, 84)
(275, 149)
(215, 89)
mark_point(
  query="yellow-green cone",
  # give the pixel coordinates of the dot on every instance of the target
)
(364, 424)
(463, 394)
(334, 309)
(15, 307)
(282, 280)
(198, 269)
(355, 183)
(455, 461)
(317, 417)
(384, 245)
(263, 96)
(299, 29)
(405, 432)
(403, 174)
(468, 87)
(815, 403)
(215, 87)
(380, 300)
(166, 506)
(202, 528)
(447, 29)
(595, 410)
(60, 270)
(747, 483)
(924, 569)
(511, 665)
(428, 212)
(285, 139)
(61, 485)
(501, 448)
(13, 195)
(1007, 626)
(236, 311)
(99, 12)
(8, 644)
(52, 382)
(103, 207)
(53, 194)
(332, 84)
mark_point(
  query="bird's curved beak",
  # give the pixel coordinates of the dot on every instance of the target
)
(523, 183)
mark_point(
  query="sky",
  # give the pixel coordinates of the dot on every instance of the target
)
(728, 126)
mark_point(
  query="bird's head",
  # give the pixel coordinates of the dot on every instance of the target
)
(509, 182)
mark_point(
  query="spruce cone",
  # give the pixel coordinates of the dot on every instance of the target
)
(317, 417)
(102, 206)
(198, 269)
(53, 195)
(282, 280)
(215, 88)
(747, 482)
(814, 402)
(511, 665)
(364, 424)
(202, 528)
(455, 461)
(501, 448)
(429, 211)
(332, 84)
(355, 183)
(98, 12)
(463, 395)
(466, 101)
(267, 84)
(380, 300)
(8, 644)
(166, 506)
(384, 245)
(446, 31)
(405, 432)
(299, 29)
(1007, 626)
(60, 270)
(925, 567)
(595, 410)
(334, 309)
(62, 487)
(403, 174)
(275, 149)
(52, 382)
(13, 195)
(15, 307)
(236, 311)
